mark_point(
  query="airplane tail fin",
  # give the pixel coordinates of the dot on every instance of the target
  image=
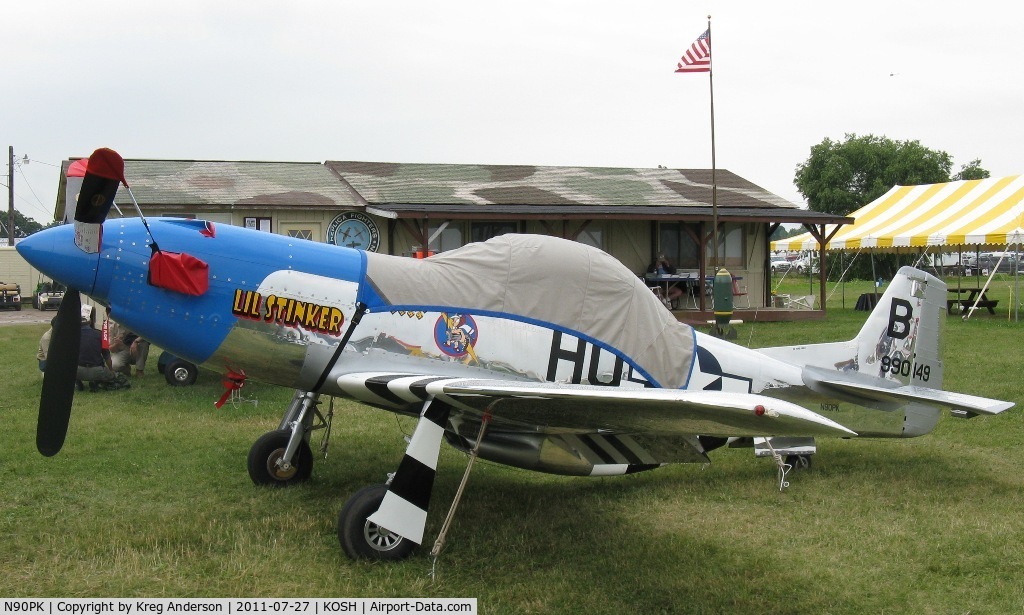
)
(903, 326)
(894, 361)
(899, 342)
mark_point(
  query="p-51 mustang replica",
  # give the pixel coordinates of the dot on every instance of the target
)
(530, 351)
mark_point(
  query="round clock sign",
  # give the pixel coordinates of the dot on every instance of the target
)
(354, 229)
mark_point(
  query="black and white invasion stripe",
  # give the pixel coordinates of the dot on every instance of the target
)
(404, 509)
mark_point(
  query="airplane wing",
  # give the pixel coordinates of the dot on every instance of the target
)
(572, 408)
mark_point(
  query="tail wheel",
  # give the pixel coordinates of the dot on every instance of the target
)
(362, 539)
(799, 462)
(268, 450)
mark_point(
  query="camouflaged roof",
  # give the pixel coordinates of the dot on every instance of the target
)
(381, 183)
(192, 183)
(464, 190)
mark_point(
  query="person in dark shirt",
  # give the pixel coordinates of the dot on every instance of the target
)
(94, 359)
(661, 266)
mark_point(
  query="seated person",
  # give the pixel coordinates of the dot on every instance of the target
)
(661, 266)
(44, 346)
(127, 349)
(94, 359)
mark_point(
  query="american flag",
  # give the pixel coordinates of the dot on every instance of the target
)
(697, 58)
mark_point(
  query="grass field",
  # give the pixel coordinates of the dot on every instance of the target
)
(150, 497)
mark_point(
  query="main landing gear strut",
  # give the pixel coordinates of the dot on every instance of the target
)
(283, 456)
(387, 522)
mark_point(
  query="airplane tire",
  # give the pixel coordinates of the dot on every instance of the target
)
(361, 539)
(799, 462)
(268, 449)
(180, 373)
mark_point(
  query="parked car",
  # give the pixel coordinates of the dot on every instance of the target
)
(986, 261)
(802, 264)
(48, 295)
(780, 265)
(10, 296)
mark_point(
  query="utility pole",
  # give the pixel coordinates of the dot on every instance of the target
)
(10, 197)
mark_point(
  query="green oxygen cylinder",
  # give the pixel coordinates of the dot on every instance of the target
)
(722, 292)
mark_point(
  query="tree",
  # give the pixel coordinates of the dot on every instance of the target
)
(782, 232)
(972, 170)
(840, 177)
(23, 225)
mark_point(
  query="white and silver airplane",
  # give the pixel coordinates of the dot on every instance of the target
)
(526, 350)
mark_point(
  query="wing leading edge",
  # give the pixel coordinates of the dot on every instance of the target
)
(568, 408)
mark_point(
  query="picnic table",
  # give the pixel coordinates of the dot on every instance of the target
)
(956, 303)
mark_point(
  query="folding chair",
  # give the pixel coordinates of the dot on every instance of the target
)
(803, 302)
(739, 290)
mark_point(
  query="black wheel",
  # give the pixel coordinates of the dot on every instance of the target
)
(180, 373)
(265, 453)
(799, 462)
(361, 539)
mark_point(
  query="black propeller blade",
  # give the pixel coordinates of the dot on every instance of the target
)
(103, 173)
(59, 377)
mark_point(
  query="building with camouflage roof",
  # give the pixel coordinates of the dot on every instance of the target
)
(399, 208)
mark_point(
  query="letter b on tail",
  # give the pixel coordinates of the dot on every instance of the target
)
(900, 314)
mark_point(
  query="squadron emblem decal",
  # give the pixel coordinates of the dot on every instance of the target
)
(456, 335)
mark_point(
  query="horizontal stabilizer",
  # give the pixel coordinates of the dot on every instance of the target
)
(957, 402)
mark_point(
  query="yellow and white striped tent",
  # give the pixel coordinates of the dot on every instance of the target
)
(938, 216)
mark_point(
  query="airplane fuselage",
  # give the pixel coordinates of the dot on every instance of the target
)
(278, 308)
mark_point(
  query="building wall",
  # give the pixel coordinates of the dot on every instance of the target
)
(13, 268)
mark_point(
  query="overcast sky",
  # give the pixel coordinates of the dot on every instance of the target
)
(586, 83)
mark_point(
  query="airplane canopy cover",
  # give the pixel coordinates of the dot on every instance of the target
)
(535, 278)
(960, 213)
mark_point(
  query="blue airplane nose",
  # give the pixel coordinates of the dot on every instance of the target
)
(54, 253)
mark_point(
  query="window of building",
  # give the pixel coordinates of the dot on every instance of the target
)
(678, 245)
(482, 231)
(591, 236)
(258, 223)
(681, 248)
(301, 233)
(445, 236)
(731, 243)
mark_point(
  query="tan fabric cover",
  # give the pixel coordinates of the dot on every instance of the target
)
(574, 287)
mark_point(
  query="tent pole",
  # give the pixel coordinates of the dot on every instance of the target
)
(981, 293)
(842, 265)
(1016, 281)
(874, 276)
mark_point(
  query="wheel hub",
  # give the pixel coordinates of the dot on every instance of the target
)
(277, 468)
(380, 538)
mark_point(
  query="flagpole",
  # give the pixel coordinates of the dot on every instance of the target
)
(714, 183)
